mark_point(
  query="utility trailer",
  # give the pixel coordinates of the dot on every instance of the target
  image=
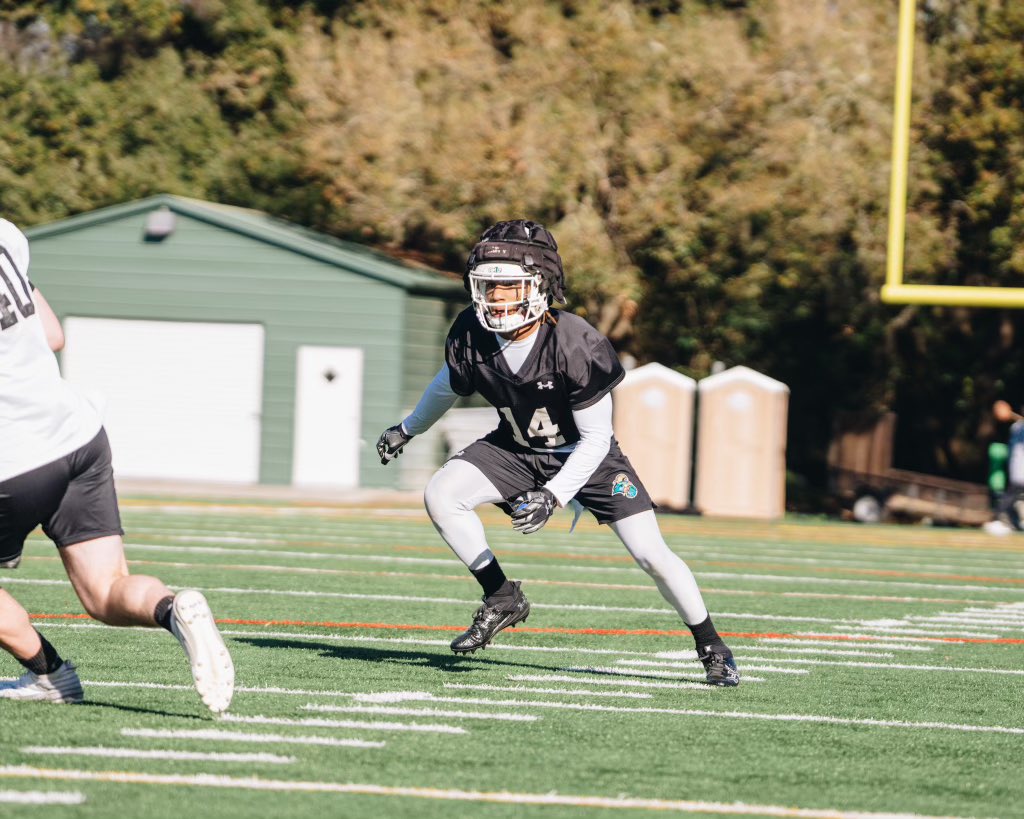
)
(862, 477)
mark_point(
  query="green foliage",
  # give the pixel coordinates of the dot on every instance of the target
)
(716, 172)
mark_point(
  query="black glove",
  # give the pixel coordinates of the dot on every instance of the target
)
(531, 510)
(391, 442)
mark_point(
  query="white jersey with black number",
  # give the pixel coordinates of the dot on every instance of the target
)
(42, 418)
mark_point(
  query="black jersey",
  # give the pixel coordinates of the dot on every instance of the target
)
(570, 367)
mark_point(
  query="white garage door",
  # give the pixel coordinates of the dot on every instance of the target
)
(181, 400)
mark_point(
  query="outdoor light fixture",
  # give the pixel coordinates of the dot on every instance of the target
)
(159, 224)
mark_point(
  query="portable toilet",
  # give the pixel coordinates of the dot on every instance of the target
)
(654, 426)
(741, 445)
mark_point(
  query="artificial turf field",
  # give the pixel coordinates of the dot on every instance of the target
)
(883, 675)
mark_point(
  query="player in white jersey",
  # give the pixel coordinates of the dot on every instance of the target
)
(55, 471)
(549, 375)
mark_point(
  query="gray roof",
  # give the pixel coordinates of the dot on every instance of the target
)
(263, 227)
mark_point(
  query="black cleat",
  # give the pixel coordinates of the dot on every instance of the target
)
(506, 607)
(719, 665)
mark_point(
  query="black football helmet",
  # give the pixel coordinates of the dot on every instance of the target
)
(518, 253)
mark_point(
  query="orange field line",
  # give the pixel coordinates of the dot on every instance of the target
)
(644, 632)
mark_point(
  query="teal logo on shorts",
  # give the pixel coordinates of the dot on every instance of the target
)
(622, 485)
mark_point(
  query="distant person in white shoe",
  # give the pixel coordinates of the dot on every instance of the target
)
(1007, 519)
(55, 471)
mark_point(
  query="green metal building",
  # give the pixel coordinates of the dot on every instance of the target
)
(227, 345)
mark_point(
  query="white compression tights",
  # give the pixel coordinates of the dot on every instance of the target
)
(458, 488)
(642, 538)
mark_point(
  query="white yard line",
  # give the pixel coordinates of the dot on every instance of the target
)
(871, 598)
(346, 723)
(498, 716)
(503, 797)
(653, 610)
(41, 798)
(533, 581)
(910, 631)
(131, 548)
(750, 661)
(979, 670)
(563, 692)
(372, 558)
(366, 540)
(469, 602)
(945, 622)
(563, 649)
(648, 672)
(246, 689)
(861, 640)
(136, 753)
(355, 638)
(577, 680)
(384, 598)
(423, 696)
(819, 557)
(214, 735)
(427, 561)
(1000, 613)
(35, 582)
(794, 641)
(700, 546)
(690, 655)
(813, 637)
(856, 638)
(801, 579)
(744, 664)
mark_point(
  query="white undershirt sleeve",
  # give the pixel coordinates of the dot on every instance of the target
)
(595, 426)
(437, 399)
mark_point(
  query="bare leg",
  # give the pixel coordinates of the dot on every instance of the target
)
(17, 636)
(99, 574)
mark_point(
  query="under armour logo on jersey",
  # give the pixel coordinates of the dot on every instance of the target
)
(545, 385)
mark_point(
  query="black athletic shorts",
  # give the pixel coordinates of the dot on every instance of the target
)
(73, 498)
(613, 492)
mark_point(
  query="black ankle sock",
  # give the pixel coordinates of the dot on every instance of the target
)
(705, 634)
(162, 612)
(490, 577)
(46, 661)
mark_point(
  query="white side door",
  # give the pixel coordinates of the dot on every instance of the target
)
(328, 403)
(180, 400)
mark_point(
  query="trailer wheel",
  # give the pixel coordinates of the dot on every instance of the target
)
(867, 509)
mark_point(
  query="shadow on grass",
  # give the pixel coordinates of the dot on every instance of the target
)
(134, 709)
(442, 662)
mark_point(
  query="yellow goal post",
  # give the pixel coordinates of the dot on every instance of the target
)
(895, 290)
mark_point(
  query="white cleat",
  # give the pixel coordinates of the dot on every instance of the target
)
(212, 670)
(61, 685)
(998, 528)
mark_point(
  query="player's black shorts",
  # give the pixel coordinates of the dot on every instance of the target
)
(73, 498)
(613, 492)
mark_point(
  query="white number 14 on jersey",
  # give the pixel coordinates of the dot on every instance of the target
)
(541, 426)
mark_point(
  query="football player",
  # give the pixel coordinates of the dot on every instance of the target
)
(55, 470)
(549, 375)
